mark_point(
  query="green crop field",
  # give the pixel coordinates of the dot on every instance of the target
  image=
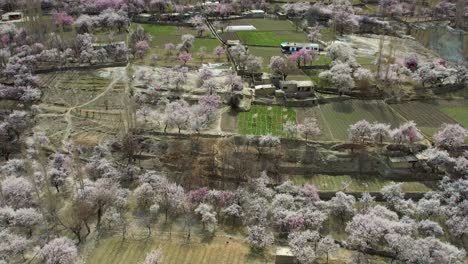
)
(354, 184)
(340, 115)
(262, 120)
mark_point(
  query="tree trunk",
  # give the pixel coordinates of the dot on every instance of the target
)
(99, 216)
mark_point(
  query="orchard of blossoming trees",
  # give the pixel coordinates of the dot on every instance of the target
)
(147, 131)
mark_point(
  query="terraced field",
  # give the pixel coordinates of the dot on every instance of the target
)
(427, 116)
(73, 88)
(354, 184)
(219, 250)
(340, 115)
(334, 118)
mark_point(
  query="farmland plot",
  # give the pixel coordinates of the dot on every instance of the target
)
(219, 250)
(354, 184)
(340, 115)
(163, 34)
(262, 120)
(426, 115)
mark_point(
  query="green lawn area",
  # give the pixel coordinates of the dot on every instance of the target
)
(340, 115)
(322, 59)
(354, 184)
(259, 38)
(327, 34)
(262, 120)
(367, 62)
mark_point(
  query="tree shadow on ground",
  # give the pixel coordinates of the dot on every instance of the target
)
(343, 107)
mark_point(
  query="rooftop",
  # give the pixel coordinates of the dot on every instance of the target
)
(240, 28)
(284, 251)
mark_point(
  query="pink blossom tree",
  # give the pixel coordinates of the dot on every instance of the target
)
(407, 133)
(184, 57)
(314, 33)
(344, 18)
(168, 48)
(340, 75)
(280, 65)
(360, 132)
(141, 48)
(59, 251)
(27, 218)
(259, 237)
(303, 245)
(199, 23)
(380, 131)
(154, 257)
(434, 73)
(17, 192)
(219, 51)
(390, 7)
(450, 136)
(62, 19)
(309, 128)
(84, 24)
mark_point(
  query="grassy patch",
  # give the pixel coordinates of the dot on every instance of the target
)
(259, 38)
(354, 184)
(327, 34)
(459, 113)
(262, 120)
(322, 59)
(367, 62)
(158, 29)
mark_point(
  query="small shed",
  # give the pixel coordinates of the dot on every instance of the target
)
(254, 13)
(233, 42)
(240, 28)
(403, 162)
(284, 256)
(264, 89)
(296, 86)
(10, 16)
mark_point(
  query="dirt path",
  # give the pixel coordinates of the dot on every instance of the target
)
(68, 116)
